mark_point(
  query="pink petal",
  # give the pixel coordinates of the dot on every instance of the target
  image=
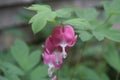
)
(72, 43)
(68, 33)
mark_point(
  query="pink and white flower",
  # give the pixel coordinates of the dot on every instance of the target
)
(56, 47)
(64, 37)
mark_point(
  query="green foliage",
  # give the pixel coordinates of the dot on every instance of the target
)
(43, 15)
(3, 78)
(105, 32)
(88, 14)
(64, 13)
(85, 36)
(112, 56)
(112, 9)
(11, 71)
(39, 73)
(92, 55)
(87, 74)
(78, 23)
(39, 8)
(20, 52)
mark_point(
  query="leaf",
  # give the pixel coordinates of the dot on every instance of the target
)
(40, 20)
(3, 78)
(64, 13)
(39, 73)
(87, 14)
(99, 35)
(106, 32)
(112, 34)
(86, 73)
(112, 56)
(85, 36)
(38, 24)
(104, 77)
(78, 24)
(12, 69)
(112, 9)
(11, 72)
(20, 52)
(38, 8)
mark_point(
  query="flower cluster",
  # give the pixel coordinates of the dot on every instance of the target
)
(56, 47)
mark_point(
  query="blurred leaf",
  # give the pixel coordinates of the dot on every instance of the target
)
(93, 50)
(78, 24)
(85, 36)
(39, 73)
(20, 52)
(112, 9)
(11, 72)
(40, 20)
(87, 73)
(104, 31)
(104, 77)
(99, 35)
(64, 13)
(112, 56)
(113, 34)
(87, 14)
(12, 69)
(38, 8)
(15, 32)
(3, 78)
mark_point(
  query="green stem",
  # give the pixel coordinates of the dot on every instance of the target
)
(106, 21)
(57, 74)
(117, 76)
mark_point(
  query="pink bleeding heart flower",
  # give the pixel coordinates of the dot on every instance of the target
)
(54, 61)
(54, 78)
(64, 37)
(50, 46)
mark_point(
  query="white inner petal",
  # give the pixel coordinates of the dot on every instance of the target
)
(50, 69)
(63, 45)
(57, 57)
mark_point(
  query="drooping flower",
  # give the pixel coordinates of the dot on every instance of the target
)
(64, 37)
(56, 47)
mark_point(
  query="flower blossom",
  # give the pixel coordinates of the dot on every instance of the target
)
(56, 47)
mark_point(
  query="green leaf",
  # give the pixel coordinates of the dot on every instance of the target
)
(39, 73)
(115, 19)
(40, 20)
(3, 78)
(78, 24)
(99, 35)
(106, 32)
(64, 13)
(20, 52)
(85, 36)
(38, 24)
(112, 56)
(86, 73)
(39, 8)
(112, 9)
(104, 77)
(112, 34)
(12, 69)
(87, 14)
(11, 72)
